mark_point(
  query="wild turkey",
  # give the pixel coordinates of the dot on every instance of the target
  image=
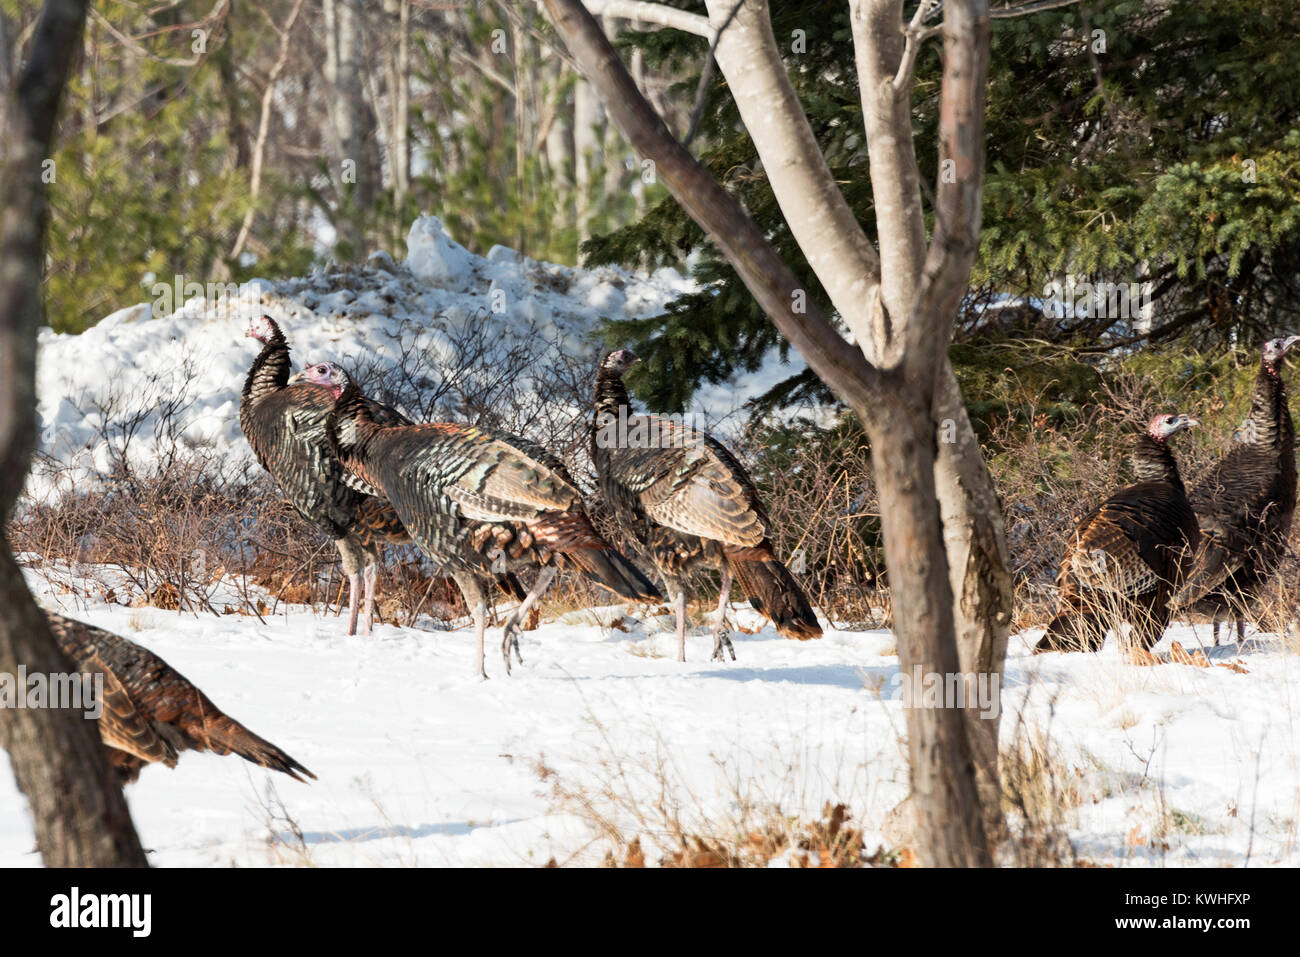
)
(477, 500)
(1130, 554)
(283, 419)
(285, 425)
(377, 512)
(151, 712)
(1245, 504)
(690, 504)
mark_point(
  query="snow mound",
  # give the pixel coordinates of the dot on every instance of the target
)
(187, 346)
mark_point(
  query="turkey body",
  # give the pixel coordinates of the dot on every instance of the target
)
(284, 424)
(151, 712)
(479, 501)
(691, 505)
(1245, 506)
(1127, 558)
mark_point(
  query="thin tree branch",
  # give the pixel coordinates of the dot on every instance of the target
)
(821, 221)
(842, 366)
(706, 75)
(656, 13)
(917, 33)
(1006, 13)
(264, 128)
(955, 242)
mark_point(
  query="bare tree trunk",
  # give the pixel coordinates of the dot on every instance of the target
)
(7, 52)
(872, 294)
(522, 137)
(402, 108)
(353, 121)
(945, 794)
(978, 560)
(264, 129)
(895, 182)
(559, 145)
(238, 129)
(58, 760)
(587, 118)
(820, 220)
(896, 404)
(974, 536)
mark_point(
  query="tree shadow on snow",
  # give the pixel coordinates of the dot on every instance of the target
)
(381, 831)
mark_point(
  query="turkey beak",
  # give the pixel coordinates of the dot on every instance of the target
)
(1290, 341)
(1187, 422)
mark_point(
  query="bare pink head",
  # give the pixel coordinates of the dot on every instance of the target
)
(327, 375)
(1275, 351)
(1165, 425)
(620, 361)
(264, 329)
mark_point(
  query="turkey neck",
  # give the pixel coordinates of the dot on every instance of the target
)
(270, 371)
(1154, 462)
(350, 410)
(611, 396)
(1270, 423)
(611, 393)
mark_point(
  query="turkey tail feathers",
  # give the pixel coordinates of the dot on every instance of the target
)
(611, 569)
(773, 592)
(1073, 630)
(511, 587)
(228, 736)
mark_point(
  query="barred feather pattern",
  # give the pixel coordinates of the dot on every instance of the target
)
(152, 712)
(1127, 557)
(470, 496)
(1246, 504)
(284, 424)
(690, 504)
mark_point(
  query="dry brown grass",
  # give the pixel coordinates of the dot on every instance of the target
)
(668, 817)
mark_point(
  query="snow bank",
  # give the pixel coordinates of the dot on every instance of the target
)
(139, 355)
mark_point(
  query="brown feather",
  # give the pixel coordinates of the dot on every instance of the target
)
(151, 711)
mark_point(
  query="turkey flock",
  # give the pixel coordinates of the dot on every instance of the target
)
(1153, 548)
(484, 504)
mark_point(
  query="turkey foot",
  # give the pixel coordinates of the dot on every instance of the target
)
(510, 637)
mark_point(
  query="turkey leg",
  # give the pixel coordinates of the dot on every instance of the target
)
(720, 637)
(477, 602)
(510, 638)
(351, 568)
(368, 615)
(674, 588)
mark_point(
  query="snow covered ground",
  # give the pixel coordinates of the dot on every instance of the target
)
(421, 763)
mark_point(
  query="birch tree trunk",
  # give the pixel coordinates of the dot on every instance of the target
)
(974, 534)
(80, 815)
(587, 120)
(400, 148)
(353, 122)
(874, 293)
(6, 52)
(895, 399)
